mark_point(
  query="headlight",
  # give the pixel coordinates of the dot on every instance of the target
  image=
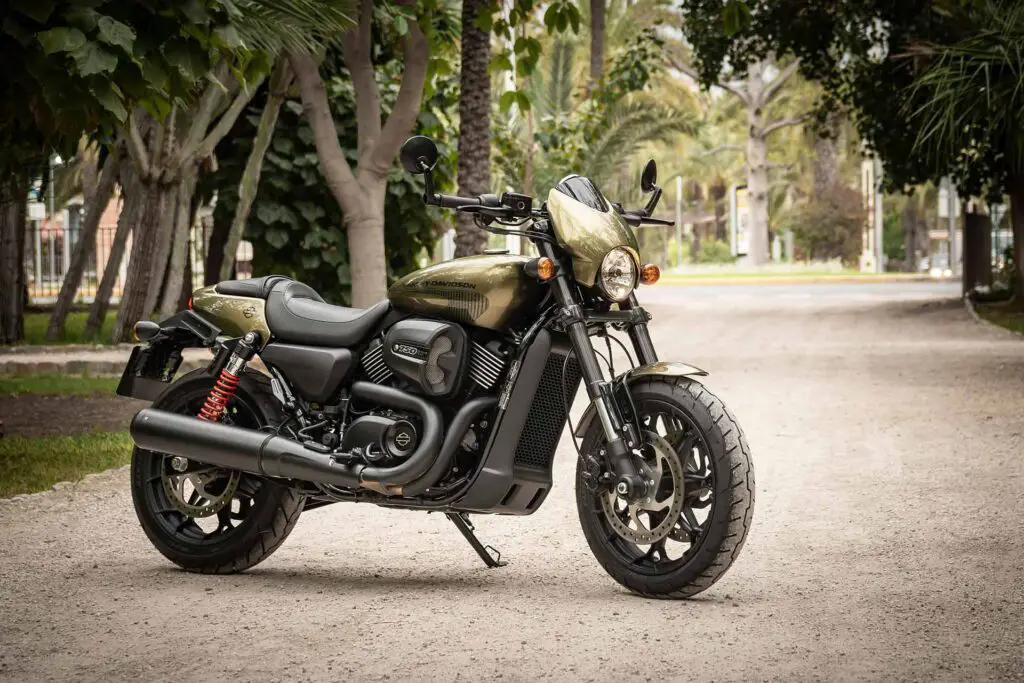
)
(618, 274)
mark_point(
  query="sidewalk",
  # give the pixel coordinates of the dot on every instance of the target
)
(81, 360)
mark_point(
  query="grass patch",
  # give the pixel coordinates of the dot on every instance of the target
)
(36, 323)
(57, 385)
(35, 464)
(1009, 315)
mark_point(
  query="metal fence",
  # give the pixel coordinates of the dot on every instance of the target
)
(50, 245)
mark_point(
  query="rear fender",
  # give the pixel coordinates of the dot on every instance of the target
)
(152, 366)
(659, 369)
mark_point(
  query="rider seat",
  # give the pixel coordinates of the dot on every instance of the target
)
(297, 314)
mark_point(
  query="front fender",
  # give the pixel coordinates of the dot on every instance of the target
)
(659, 369)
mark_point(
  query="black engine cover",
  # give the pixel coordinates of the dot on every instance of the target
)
(430, 353)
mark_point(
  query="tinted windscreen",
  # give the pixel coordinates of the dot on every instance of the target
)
(584, 191)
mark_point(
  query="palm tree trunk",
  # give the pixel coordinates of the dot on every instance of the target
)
(909, 220)
(13, 207)
(597, 12)
(474, 124)
(1017, 221)
(130, 191)
(279, 82)
(97, 203)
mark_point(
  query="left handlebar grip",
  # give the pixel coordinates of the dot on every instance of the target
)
(450, 201)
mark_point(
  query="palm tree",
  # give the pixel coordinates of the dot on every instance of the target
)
(474, 123)
(968, 101)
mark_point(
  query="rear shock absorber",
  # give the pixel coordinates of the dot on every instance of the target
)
(227, 382)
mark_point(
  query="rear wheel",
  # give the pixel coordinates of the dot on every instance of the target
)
(683, 537)
(210, 519)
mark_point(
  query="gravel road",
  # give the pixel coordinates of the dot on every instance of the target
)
(887, 542)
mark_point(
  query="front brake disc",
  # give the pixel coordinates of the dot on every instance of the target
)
(666, 501)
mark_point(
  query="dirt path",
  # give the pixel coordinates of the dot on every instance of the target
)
(887, 542)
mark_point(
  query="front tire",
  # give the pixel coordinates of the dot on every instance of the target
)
(718, 491)
(213, 520)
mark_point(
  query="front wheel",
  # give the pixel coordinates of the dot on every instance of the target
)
(684, 536)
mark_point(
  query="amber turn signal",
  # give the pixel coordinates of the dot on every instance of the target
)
(545, 268)
(649, 274)
(541, 268)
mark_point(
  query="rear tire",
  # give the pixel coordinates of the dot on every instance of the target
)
(718, 470)
(266, 510)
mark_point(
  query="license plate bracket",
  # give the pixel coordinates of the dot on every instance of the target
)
(149, 370)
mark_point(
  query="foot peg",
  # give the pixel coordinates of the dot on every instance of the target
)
(490, 555)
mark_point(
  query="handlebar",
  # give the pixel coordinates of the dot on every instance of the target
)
(491, 204)
(451, 201)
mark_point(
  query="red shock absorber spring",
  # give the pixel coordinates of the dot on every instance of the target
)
(219, 395)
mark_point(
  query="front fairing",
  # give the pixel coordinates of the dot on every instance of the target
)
(589, 234)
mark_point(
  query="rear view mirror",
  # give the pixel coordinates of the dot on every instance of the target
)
(649, 178)
(419, 155)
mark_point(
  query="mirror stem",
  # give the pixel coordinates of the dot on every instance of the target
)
(652, 204)
(428, 188)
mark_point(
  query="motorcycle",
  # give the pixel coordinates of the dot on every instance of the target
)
(451, 396)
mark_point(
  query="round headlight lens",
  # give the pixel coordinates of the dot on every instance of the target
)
(618, 274)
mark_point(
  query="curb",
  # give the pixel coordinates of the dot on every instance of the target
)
(969, 305)
(60, 487)
(793, 280)
(80, 368)
(22, 349)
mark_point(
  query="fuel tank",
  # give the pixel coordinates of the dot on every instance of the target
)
(491, 291)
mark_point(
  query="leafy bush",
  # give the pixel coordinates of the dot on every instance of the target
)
(830, 227)
(295, 225)
(715, 251)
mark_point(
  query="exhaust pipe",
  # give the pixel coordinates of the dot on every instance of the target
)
(270, 455)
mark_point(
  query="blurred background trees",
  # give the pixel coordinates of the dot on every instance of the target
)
(270, 129)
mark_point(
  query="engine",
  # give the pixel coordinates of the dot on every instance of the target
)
(433, 358)
(383, 439)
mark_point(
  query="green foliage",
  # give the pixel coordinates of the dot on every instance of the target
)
(894, 245)
(74, 67)
(967, 104)
(295, 224)
(933, 86)
(611, 123)
(715, 251)
(559, 17)
(829, 227)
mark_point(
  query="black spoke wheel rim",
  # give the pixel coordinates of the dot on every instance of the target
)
(687, 534)
(229, 495)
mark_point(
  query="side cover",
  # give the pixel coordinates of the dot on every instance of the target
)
(489, 291)
(235, 315)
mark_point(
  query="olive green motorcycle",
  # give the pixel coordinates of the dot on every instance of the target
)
(452, 396)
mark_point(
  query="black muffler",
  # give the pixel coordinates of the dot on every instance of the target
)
(237, 448)
(258, 452)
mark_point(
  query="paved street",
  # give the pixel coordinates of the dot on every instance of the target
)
(888, 442)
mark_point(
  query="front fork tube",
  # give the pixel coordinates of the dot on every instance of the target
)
(621, 437)
(639, 334)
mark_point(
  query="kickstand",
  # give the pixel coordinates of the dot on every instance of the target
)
(462, 523)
